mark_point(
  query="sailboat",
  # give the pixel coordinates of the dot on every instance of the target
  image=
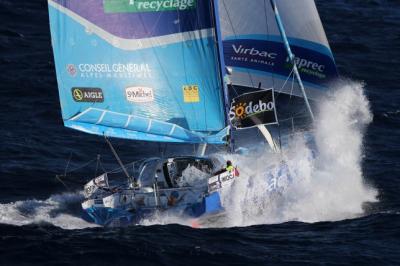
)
(183, 71)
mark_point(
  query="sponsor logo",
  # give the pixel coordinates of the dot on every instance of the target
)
(87, 95)
(191, 94)
(242, 110)
(308, 67)
(139, 94)
(252, 51)
(71, 69)
(252, 55)
(115, 71)
(251, 109)
(133, 6)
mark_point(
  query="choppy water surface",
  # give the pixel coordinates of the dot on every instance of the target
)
(344, 207)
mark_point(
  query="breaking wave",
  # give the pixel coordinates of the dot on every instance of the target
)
(328, 186)
(59, 210)
(300, 184)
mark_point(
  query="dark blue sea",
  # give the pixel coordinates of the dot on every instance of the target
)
(40, 223)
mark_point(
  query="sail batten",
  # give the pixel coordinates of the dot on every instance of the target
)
(112, 124)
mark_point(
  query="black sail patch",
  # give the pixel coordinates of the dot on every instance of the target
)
(252, 109)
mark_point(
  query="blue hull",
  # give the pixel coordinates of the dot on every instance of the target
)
(103, 216)
(108, 216)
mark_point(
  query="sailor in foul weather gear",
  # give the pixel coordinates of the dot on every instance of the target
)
(229, 168)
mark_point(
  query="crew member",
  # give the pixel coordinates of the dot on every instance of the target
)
(229, 167)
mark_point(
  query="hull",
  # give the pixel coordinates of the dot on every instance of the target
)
(181, 187)
(210, 206)
(199, 205)
(109, 216)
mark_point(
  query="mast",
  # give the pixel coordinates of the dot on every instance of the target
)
(222, 70)
(291, 56)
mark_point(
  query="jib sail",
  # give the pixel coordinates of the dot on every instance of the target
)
(253, 47)
(138, 69)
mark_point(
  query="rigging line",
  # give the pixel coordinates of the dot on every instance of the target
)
(291, 91)
(80, 167)
(119, 169)
(290, 97)
(59, 178)
(62, 182)
(66, 167)
(297, 115)
(290, 74)
(234, 32)
(266, 22)
(287, 79)
(233, 87)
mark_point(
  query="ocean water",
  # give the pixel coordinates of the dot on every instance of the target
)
(345, 208)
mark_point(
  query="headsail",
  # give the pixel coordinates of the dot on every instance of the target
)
(253, 46)
(138, 69)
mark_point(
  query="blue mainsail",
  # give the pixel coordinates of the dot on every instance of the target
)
(139, 69)
(254, 50)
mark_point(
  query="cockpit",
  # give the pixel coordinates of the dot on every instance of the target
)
(175, 172)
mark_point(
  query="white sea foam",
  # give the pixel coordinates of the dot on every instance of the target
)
(326, 187)
(309, 187)
(55, 210)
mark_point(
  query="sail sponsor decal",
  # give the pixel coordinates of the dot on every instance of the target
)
(251, 54)
(87, 95)
(116, 70)
(71, 69)
(191, 94)
(251, 109)
(134, 6)
(271, 56)
(139, 94)
(112, 19)
(307, 67)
